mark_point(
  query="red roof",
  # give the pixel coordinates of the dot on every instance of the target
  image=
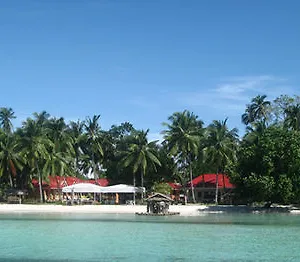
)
(223, 180)
(57, 182)
(175, 185)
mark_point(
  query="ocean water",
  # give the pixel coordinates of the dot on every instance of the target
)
(94, 237)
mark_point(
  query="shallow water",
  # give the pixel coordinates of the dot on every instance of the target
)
(94, 237)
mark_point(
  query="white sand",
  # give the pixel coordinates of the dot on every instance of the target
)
(185, 210)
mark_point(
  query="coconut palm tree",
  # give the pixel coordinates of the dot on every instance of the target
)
(10, 158)
(292, 119)
(182, 138)
(41, 118)
(141, 155)
(35, 147)
(61, 154)
(256, 111)
(6, 115)
(221, 147)
(76, 131)
(254, 132)
(93, 143)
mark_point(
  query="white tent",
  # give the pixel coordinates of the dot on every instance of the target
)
(121, 188)
(83, 188)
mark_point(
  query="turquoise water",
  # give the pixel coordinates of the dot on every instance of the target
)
(91, 237)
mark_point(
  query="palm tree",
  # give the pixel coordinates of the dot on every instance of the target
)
(257, 110)
(292, 119)
(61, 154)
(6, 115)
(75, 131)
(182, 138)
(93, 142)
(35, 147)
(10, 158)
(141, 155)
(57, 131)
(254, 132)
(221, 147)
(41, 118)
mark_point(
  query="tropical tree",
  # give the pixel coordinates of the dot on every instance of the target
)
(221, 147)
(6, 115)
(254, 132)
(258, 110)
(76, 132)
(292, 119)
(281, 104)
(93, 144)
(35, 147)
(116, 141)
(269, 169)
(42, 118)
(182, 138)
(61, 153)
(10, 159)
(141, 155)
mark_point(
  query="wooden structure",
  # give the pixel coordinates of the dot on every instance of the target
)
(158, 205)
(14, 196)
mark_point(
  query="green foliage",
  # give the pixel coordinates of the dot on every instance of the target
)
(257, 111)
(275, 157)
(183, 141)
(163, 188)
(264, 164)
(6, 115)
(258, 188)
(284, 189)
(141, 155)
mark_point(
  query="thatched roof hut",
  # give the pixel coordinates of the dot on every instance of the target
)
(158, 203)
(158, 197)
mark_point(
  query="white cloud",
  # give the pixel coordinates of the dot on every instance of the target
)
(229, 97)
(240, 88)
(235, 92)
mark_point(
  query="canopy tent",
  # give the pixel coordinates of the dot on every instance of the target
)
(83, 188)
(121, 188)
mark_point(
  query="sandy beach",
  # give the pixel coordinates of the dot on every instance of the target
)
(185, 210)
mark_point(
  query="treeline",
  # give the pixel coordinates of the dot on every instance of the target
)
(264, 163)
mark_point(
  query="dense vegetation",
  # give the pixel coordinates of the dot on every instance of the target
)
(264, 163)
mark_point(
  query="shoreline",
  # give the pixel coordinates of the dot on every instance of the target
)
(184, 210)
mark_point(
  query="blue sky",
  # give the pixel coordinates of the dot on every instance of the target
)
(140, 61)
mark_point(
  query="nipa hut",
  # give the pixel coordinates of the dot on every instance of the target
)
(158, 203)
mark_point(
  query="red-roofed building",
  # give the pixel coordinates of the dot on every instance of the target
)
(53, 186)
(205, 187)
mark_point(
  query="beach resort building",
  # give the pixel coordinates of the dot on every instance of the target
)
(205, 187)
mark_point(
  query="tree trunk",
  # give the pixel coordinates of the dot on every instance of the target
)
(217, 188)
(192, 186)
(142, 184)
(40, 183)
(10, 180)
(134, 190)
(94, 167)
